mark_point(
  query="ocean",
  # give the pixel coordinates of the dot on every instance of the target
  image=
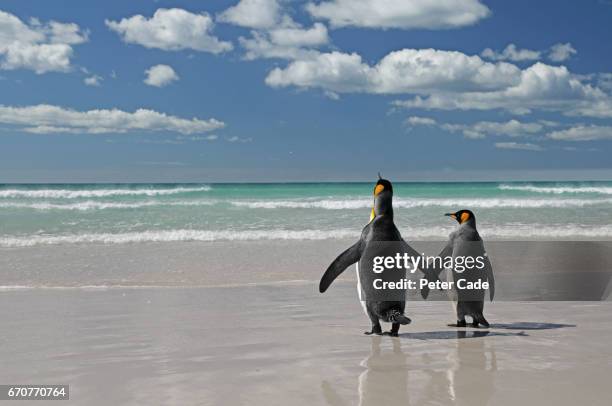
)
(44, 214)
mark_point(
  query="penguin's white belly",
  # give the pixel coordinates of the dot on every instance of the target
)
(363, 303)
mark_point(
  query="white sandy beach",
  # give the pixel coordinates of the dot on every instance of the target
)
(284, 344)
(244, 324)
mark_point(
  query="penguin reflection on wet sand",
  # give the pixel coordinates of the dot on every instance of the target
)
(381, 228)
(466, 242)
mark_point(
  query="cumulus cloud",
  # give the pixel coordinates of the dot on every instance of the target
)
(448, 80)
(36, 46)
(583, 133)
(93, 80)
(404, 71)
(171, 30)
(47, 119)
(561, 52)
(275, 34)
(481, 129)
(286, 42)
(160, 75)
(428, 14)
(539, 86)
(525, 146)
(252, 14)
(556, 53)
(511, 53)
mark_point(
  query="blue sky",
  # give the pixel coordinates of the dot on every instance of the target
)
(272, 90)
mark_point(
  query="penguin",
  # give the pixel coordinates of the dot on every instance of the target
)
(466, 242)
(376, 238)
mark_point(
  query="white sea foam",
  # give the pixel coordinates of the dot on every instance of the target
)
(75, 194)
(175, 235)
(516, 232)
(100, 205)
(483, 203)
(559, 189)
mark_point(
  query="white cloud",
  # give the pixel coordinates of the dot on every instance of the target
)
(511, 53)
(93, 80)
(512, 128)
(211, 137)
(275, 34)
(518, 145)
(426, 121)
(448, 80)
(404, 71)
(540, 86)
(66, 33)
(481, 129)
(239, 139)
(298, 37)
(171, 30)
(37, 46)
(583, 133)
(160, 75)
(46, 119)
(252, 14)
(556, 53)
(289, 42)
(561, 52)
(429, 14)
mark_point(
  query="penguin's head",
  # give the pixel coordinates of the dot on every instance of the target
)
(383, 185)
(463, 216)
(383, 193)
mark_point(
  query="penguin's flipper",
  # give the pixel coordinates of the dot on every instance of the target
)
(344, 260)
(490, 278)
(432, 273)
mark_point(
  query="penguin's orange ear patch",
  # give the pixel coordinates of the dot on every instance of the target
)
(378, 189)
(464, 217)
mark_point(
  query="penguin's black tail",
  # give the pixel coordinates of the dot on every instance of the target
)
(394, 316)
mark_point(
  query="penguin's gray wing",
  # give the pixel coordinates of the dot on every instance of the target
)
(432, 273)
(344, 260)
(446, 252)
(490, 278)
(429, 274)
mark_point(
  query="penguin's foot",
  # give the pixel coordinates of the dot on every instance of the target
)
(391, 333)
(458, 324)
(475, 324)
(375, 330)
(480, 320)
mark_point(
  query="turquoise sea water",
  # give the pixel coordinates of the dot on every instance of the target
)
(128, 213)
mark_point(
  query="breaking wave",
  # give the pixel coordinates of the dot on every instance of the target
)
(98, 205)
(606, 190)
(483, 203)
(75, 194)
(516, 232)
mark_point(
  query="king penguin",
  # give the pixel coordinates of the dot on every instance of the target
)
(378, 234)
(466, 242)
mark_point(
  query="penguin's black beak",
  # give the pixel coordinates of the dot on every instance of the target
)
(451, 215)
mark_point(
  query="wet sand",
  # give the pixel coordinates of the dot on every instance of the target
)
(282, 344)
(243, 323)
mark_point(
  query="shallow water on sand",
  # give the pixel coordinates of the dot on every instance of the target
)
(265, 345)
